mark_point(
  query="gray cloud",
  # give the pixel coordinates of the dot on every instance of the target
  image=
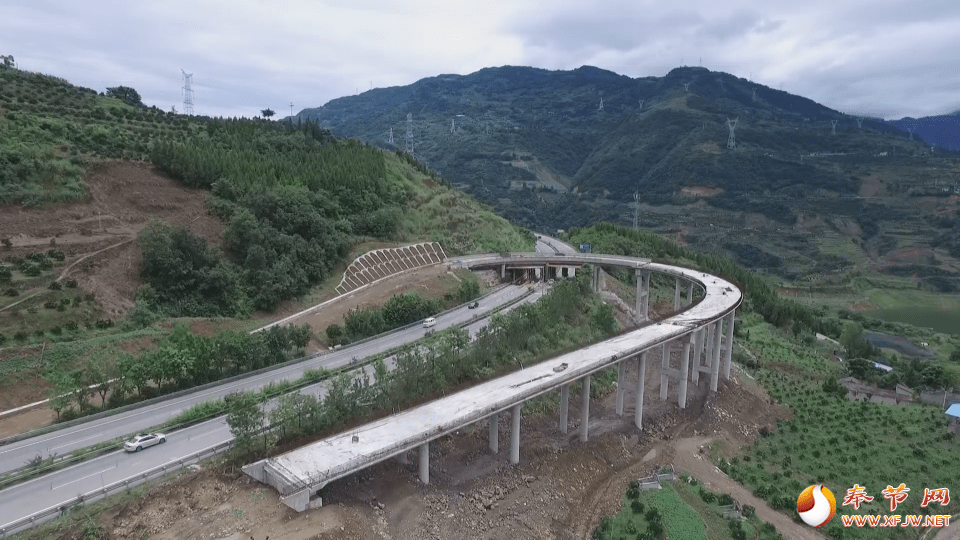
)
(888, 58)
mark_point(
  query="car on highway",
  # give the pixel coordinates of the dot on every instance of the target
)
(429, 321)
(474, 305)
(144, 440)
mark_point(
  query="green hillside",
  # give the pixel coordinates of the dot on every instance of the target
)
(792, 197)
(293, 198)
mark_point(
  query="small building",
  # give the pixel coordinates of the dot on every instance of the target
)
(858, 390)
(953, 412)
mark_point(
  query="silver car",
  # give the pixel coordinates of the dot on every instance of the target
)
(144, 440)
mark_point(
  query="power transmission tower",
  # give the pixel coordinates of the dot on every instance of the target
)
(641, 104)
(391, 136)
(453, 129)
(409, 147)
(686, 86)
(731, 141)
(754, 94)
(859, 123)
(636, 209)
(601, 104)
(291, 108)
(187, 92)
(910, 130)
(834, 124)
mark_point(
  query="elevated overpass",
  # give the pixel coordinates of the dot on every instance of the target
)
(697, 330)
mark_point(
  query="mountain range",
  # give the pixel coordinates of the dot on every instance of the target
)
(702, 154)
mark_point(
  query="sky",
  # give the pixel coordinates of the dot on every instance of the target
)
(881, 58)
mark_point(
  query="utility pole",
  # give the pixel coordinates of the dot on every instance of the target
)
(453, 129)
(409, 148)
(187, 92)
(636, 209)
(731, 141)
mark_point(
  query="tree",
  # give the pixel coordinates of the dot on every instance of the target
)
(245, 418)
(126, 94)
(267, 113)
(955, 356)
(59, 391)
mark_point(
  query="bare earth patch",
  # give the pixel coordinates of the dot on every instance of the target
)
(701, 191)
(123, 196)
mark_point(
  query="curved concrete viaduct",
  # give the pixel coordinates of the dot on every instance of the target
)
(698, 330)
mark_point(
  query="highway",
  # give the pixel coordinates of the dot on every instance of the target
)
(15, 455)
(61, 486)
(58, 487)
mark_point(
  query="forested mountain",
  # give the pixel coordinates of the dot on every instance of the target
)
(558, 149)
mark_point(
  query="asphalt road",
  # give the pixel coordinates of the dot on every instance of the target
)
(15, 455)
(61, 486)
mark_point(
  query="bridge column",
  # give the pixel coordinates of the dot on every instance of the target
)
(425, 463)
(564, 402)
(643, 293)
(641, 375)
(715, 356)
(664, 378)
(572, 271)
(621, 369)
(495, 432)
(596, 278)
(684, 370)
(676, 295)
(503, 271)
(695, 361)
(689, 293)
(515, 434)
(585, 410)
(728, 348)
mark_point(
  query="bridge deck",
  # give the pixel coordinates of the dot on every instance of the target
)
(317, 464)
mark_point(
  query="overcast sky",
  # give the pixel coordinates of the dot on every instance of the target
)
(873, 57)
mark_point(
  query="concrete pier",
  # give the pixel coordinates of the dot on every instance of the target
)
(621, 369)
(425, 462)
(689, 293)
(564, 407)
(665, 368)
(684, 369)
(515, 434)
(585, 410)
(728, 346)
(495, 432)
(641, 376)
(715, 356)
(676, 295)
(643, 294)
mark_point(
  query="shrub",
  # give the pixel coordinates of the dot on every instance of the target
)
(11, 292)
(334, 332)
(5, 274)
(2, 339)
(7, 243)
(51, 304)
(637, 507)
(55, 286)
(56, 253)
(71, 283)
(20, 335)
(32, 270)
(104, 323)
(56, 330)
(72, 326)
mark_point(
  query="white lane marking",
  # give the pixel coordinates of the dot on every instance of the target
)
(85, 477)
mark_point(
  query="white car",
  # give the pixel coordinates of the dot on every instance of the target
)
(144, 440)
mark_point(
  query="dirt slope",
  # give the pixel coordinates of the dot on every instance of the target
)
(99, 232)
